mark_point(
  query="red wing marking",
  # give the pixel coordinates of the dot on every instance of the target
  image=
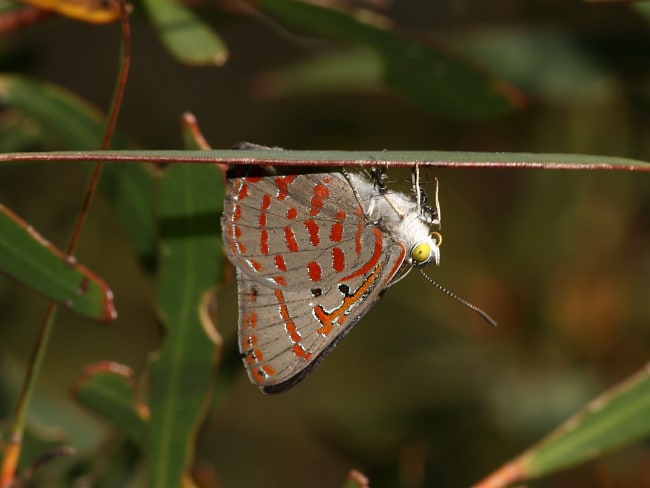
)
(254, 179)
(280, 280)
(250, 320)
(254, 357)
(292, 213)
(266, 202)
(301, 352)
(263, 372)
(375, 256)
(338, 259)
(280, 263)
(326, 328)
(337, 232)
(243, 191)
(313, 228)
(321, 194)
(256, 265)
(291, 328)
(283, 182)
(358, 239)
(236, 213)
(398, 263)
(235, 245)
(290, 237)
(339, 315)
(264, 242)
(315, 271)
(250, 294)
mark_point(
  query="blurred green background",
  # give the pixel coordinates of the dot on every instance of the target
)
(422, 393)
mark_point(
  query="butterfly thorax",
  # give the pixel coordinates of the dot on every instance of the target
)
(399, 217)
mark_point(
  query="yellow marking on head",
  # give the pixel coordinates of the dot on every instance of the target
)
(421, 253)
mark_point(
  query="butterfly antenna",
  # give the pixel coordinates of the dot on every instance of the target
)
(450, 293)
(438, 214)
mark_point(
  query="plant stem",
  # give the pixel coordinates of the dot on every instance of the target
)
(12, 451)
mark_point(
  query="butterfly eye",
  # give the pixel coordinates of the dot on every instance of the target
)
(421, 253)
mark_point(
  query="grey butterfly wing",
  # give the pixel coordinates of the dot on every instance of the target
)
(284, 333)
(297, 230)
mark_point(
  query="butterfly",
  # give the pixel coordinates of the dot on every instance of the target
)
(313, 254)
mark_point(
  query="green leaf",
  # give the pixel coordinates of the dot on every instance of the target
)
(643, 7)
(108, 389)
(130, 189)
(620, 416)
(30, 259)
(18, 132)
(547, 62)
(186, 37)
(65, 117)
(77, 125)
(355, 69)
(434, 78)
(191, 266)
(433, 159)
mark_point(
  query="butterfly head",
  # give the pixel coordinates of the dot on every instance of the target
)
(426, 251)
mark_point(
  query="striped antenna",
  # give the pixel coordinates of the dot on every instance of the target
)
(450, 293)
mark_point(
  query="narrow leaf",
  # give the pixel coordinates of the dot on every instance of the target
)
(130, 189)
(93, 11)
(433, 159)
(30, 259)
(75, 124)
(191, 265)
(434, 78)
(618, 417)
(185, 36)
(68, 119)
(353, 70)
(109, 389)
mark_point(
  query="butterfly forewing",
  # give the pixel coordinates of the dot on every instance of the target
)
(309, 266)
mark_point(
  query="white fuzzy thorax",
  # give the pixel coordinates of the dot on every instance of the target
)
(397, 214)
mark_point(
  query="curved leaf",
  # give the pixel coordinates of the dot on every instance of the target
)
(618, 417)
(30, 259)
(108, 389)
(433, 78)
(186, 37)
